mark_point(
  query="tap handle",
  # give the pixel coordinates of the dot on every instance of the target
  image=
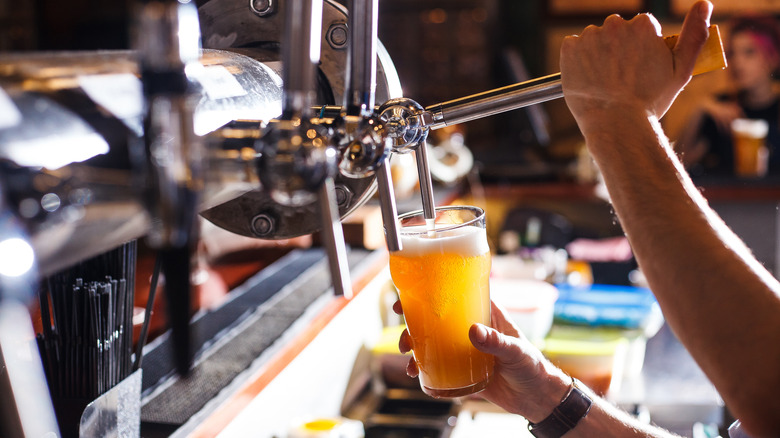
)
(546, 88)
(168, 44)
(333, 237)
(361, 76)
(300, 52)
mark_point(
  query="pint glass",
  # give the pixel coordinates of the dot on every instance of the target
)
(750, 151)
(442, 276)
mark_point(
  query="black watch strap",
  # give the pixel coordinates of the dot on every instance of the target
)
(573, 408)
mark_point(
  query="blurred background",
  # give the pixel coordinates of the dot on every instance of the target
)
(443, 49)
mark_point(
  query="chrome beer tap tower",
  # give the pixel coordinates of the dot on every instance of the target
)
(259, 115)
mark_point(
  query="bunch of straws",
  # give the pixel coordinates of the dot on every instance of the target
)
(87, 314)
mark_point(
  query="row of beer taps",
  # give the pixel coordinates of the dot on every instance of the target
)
(297, 155)
(300, 152)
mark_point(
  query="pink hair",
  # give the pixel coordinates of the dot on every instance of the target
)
(766, 44)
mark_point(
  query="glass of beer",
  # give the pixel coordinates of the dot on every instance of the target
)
(442, 275)
(750, 151)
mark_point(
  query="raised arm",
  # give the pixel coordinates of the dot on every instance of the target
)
(618, 80)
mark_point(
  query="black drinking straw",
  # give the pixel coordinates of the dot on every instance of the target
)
(87, 337)
(139, 351)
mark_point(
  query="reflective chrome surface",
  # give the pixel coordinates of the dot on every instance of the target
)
(225, 25)
(67, 159)
(495, 101)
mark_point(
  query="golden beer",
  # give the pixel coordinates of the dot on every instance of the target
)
(750, 151)
(443, 280)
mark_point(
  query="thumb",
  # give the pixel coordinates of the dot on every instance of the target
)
(491, 341)
(692, 37)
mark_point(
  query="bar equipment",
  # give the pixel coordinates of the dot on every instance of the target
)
(87, 339)
(101, 148)
(171, 158)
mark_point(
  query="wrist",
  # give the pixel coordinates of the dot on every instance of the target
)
(551, 390)
(574, 406)
(612, 121)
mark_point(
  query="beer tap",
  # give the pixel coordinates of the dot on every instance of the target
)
(296, 160)
(362, 135)
(172, 155)
(408, 123)
(409, 133)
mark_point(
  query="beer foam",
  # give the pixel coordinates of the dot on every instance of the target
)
(467, 241)
(754, 128)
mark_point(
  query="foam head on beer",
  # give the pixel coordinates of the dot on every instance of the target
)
(466, 241)
(753, 128)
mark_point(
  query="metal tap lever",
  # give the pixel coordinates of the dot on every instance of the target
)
(300, 54)
(543, 89)
(333, 236)
(492, 102)
(297, 165)
(367, 148)
(361, 75)
(169, 44)
(297, 158)
(520, 95)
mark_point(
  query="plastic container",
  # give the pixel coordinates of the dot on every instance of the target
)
(514, 267)
(608, 305)
(595, 356)
(529, 303)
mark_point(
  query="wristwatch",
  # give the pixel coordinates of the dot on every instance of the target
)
(573, 408)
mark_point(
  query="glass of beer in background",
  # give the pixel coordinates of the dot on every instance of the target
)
(442, 275)
(750, 151)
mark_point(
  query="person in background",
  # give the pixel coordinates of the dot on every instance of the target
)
(720, 302)
(753, 50)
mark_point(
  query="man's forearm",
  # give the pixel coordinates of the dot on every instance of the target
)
(702, 275)
(607, 421)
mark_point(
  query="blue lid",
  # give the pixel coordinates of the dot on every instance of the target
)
(604, 304)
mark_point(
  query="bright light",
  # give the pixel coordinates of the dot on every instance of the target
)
(50, 202)
(189, 32)
(53, 152)
(316, 31)
(16, 257)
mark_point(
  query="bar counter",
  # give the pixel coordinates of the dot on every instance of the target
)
(283, 348)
